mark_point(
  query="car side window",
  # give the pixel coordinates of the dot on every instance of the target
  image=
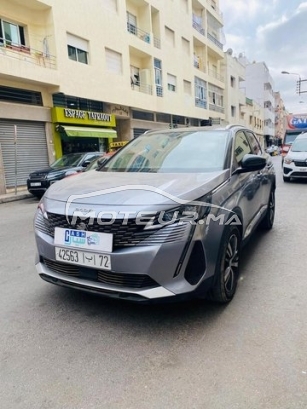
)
(241, 148)
(256, 149)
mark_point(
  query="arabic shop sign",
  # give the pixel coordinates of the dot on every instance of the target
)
(77, 116)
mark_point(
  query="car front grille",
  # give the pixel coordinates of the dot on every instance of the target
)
(301, 164)
(124, 235)
(37, 175)
(105, 277)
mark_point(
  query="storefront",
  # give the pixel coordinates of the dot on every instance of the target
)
(82, 131)
(23, 148)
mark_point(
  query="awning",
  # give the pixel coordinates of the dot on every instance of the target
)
(87, 132)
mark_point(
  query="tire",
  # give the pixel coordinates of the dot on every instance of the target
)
(227, 267)
(286, 179)
(268, 220)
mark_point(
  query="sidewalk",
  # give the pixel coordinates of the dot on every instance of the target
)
(12, 197)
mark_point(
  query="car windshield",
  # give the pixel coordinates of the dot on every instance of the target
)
(184, 151)
(290, 137)
(71, 159)
(299, 145)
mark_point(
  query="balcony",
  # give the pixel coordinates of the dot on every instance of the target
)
(197, 24)
(141, 34)
(216, 75)
(144, 88)
(215, 41)
(200, 103)
(27, 54)
(216, 108)
(213, 6)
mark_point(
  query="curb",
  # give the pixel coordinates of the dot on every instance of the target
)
(13, 198)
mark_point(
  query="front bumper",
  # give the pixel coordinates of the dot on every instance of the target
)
(38, 186)
(182, 268)
(294, 171)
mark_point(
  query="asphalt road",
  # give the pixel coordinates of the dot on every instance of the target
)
(63, 349)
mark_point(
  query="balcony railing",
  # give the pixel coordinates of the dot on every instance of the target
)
(200, 103)
(145, 88)
(157, 42)
(27, 54)
(197, 25)
(159, 90)
(216, 108)
(216, 75)
(143, 35)
(215, 41)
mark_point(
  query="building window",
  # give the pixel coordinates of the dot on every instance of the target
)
(216, 97)
(233, 111)
(158, 77)
(185, 46)
(134, 76)
(200, 93)
(187, 87)
(171, 82)
(20, 96)
(232, 81)
(131, 23)
(77, 49)
(170, 36)
(11, 34)
(113, 61)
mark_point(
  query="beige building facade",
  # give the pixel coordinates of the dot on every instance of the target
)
(114, 69)
(239, 109)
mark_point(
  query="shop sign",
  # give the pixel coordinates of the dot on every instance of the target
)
(77, 116)
(118, 144)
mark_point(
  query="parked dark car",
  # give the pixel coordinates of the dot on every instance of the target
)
(40, 180)
(166, 217)
(96, 163)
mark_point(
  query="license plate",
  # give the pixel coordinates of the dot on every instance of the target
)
(83, 258)
(35, 184)
(303, 169)
(83, 239)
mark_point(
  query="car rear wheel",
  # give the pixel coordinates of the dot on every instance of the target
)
(286, 178)
(227, 267)
(268, 220)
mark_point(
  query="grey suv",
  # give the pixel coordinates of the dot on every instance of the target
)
(165, 218)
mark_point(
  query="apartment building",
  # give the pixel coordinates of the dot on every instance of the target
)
(238, 108)
(259, 86)
(280, 118)
(75, 76)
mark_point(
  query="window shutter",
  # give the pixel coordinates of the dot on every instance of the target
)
(113, 61)
(22, 36)
(77, 42)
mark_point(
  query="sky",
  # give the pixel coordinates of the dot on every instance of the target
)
(275, 32)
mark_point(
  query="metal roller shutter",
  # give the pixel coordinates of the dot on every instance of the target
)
(29, 154)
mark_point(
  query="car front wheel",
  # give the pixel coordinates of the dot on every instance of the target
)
(268, 220)
(227, 267)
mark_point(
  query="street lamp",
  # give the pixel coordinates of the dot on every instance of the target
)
(298, 84)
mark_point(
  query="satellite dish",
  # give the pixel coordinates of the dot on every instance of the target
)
(230, 51)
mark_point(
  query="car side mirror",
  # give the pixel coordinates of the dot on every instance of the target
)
(251, 163)
(86, 163)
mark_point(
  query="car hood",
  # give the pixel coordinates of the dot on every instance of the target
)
(48, 170)
(297, 155)
(141, 191)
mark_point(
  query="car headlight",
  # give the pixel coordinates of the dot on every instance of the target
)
(287, 161)
(191, 212)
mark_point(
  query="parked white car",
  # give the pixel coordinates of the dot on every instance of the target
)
(295, 162)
